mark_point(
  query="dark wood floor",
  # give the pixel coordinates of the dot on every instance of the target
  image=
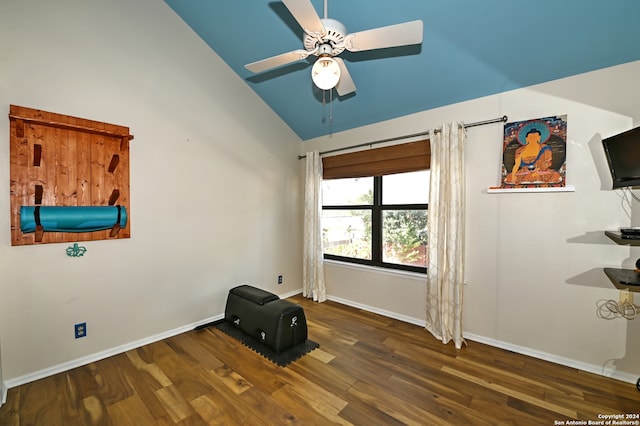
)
(369, 370)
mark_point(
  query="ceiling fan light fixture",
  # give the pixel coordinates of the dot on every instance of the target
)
(325, 73)
(327, 38)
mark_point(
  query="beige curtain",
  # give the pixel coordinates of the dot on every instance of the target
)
(313, 261)
(445, 271)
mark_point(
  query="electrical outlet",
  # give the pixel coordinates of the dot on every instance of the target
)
(626, 297)
(81, 330)
(279, 279)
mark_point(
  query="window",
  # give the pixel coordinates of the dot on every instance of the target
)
(377, 220)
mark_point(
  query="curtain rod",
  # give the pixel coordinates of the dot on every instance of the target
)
(502, 119)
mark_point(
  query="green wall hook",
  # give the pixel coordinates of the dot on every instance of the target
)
(76, 250)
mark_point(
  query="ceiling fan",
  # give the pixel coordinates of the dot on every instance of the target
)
(327, 38)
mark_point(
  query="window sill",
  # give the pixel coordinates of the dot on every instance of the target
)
(375, 269)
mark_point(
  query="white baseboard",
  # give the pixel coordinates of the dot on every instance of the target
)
(3, 386)
(545, 356)
(373, 309)
(3, 393)
(591, 368)
(290, 294)
(27, 378)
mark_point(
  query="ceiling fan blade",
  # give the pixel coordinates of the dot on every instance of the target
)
(306, 16)
(345, 84)
(380, 38)
(277, 61)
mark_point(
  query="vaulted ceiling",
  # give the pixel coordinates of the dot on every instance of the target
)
(470, 49)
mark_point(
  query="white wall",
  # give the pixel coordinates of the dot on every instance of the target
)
(534, 260)
(214, 182)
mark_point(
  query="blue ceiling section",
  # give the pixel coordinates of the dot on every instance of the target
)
(470, 49)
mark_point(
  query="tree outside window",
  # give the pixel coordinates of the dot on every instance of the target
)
(359, 227)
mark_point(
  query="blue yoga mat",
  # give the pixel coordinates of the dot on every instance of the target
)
(72, 218)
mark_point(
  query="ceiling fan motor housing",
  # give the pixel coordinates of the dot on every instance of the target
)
(331, 43)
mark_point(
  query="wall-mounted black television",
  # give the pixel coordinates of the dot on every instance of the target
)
(623, 156)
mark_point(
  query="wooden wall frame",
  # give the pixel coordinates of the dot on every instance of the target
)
(59, 160)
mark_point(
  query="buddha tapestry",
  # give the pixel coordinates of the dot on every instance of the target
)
(534, 153)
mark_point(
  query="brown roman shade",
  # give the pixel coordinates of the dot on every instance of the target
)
(406, 157)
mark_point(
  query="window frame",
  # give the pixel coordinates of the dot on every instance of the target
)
(377, 208)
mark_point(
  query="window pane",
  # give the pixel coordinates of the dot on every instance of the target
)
(347, 233)
(347, 192)
(406, 188)
(404, 237)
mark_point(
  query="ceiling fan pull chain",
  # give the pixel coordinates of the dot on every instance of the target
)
(330, 106)
(324, 104)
